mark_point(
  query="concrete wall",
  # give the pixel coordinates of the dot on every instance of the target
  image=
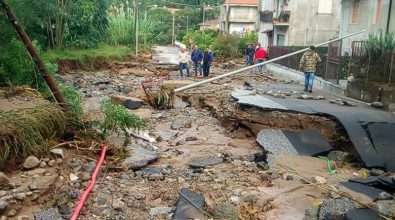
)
(262, 37)
(308, 27)
(366, 21)
(240, 17)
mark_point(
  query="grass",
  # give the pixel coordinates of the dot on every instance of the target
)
(102, 51)
(24, 132)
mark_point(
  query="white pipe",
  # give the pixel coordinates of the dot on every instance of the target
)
(259, 64)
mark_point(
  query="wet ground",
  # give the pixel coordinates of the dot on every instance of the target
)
(207, 143)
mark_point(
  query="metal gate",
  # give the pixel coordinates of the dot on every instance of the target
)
(333, 62)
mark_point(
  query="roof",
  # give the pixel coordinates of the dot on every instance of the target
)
(244, 2)
(209, 23)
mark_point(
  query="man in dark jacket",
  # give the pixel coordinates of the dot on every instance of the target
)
(197, 57)
(250, 51)
(207, 60)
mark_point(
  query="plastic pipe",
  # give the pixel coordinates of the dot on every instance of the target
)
(259, 64)
(84, 196)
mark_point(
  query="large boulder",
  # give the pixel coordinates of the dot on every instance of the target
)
(31, 162)
(139, 158)
(128, 102)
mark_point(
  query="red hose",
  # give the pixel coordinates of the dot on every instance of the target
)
(90, 186)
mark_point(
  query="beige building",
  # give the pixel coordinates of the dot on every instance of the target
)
(209, 25)
(370, 15)
(298, 22)
(243, 16)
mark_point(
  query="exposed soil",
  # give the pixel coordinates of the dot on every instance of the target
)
(212, 126)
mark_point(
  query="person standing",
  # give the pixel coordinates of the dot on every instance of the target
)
(197, 57)
(260, 56)
(207, 60)
(183, 59)
(308, 65)
(250, 54)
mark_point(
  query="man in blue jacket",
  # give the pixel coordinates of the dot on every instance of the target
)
(207, 60)
(197, 57)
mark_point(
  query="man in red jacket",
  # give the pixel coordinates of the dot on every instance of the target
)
(260, 56)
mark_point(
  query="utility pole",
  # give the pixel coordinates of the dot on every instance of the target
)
(204, 15)
(187, 24)
(136, 27)
(227, 17)
(173, 38)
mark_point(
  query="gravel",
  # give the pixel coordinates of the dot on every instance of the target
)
(276, 143)
(335, 208)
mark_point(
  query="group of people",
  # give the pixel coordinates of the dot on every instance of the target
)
(201, 61)
(256, 54)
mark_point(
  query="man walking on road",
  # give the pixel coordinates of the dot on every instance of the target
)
(197, 57)
(250, 54)
(260, 56)
(207, 60)
(308, 65)
(183, 59)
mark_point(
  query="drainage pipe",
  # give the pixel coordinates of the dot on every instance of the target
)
(259, 64)
(90, 186)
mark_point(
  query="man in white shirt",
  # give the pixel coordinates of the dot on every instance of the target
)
(183, 58)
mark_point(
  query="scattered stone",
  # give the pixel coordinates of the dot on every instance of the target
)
(386, 207)
(191, 138)
(139, 158)
(85, 176)
(166, 135)
(12, 213)
(20, 196)
(118, 204)
(202, 162)
(32, 186)
(43, 164)
(235, 200)
(181, 180)
(158, 211)
(4, 180)
(384, 196)
(49, 214)
(377, 104)
(181, 123)
(226, 211)
(31, 162)
(89, 167)
(128, 102)
(3, 205)
(311, 213)
(185, 210)
(287, 176)
(265, 176)
(3, 193)
(376, 172)
(349, 103)
(274, 176)
(52, 163)
(335, 208)
(337, 155)
(73, 177)
(58, 152)
(64, 209)
(305, 97)
(319, 180)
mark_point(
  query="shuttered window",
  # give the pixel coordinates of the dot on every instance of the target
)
(325, 6)
(355, 12)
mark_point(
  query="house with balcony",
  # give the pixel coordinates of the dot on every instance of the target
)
(239, 16)
(298, 22)
(370, 15)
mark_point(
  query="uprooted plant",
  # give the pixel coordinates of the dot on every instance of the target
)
(24, 132)
(118, 120)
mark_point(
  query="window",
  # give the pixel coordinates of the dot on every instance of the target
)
(325, 6)
(377, 17)
(280, 40)
(355, 12)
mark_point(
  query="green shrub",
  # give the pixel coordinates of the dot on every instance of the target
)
(73, 98)
(227, 46)
(118, 119)
(202, 39)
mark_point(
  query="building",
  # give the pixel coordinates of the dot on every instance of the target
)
(242, 16)
(298, 22)
(370, 15)
(209, 25)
